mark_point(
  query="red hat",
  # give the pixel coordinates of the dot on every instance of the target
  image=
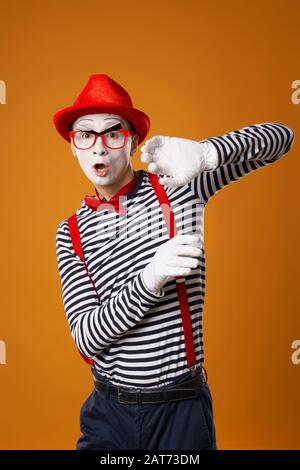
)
(102, 94)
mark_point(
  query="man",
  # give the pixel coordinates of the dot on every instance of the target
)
(132, 267)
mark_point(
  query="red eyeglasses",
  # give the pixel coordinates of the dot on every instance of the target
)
(84, 140)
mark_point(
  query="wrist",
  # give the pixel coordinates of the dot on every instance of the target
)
(209, 155)
(149, 280)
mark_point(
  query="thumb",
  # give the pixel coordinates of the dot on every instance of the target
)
(172, 181)
(157, 168)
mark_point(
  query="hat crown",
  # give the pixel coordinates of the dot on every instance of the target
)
(101, 89)
(102, 94)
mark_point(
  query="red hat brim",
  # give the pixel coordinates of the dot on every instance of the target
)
(64, 118)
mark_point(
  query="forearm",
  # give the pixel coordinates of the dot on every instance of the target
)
(96, 329)
(264, 142)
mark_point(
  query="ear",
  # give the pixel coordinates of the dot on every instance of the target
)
(134, 144)
(73, 149)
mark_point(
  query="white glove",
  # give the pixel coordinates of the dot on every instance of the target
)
(176, 257)
(179, 160)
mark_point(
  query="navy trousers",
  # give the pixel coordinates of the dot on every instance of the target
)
(107, 424)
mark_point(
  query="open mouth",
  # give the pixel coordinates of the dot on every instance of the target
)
(101, 169)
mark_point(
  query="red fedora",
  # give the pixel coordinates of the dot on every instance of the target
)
(102, 94)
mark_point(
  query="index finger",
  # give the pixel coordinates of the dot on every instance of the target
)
(155, 141)
(187, 238)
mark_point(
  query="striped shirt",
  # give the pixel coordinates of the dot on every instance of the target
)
(135, 335)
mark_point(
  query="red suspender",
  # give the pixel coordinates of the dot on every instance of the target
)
(75, 236)
(76, 242)
(180, 281)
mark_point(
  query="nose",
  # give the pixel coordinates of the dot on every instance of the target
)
(99, 147)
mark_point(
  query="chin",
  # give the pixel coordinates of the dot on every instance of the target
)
(102, 180)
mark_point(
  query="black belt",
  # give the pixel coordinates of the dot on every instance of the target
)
(180, 391)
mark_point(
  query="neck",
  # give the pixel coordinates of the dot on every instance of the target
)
(108, 192)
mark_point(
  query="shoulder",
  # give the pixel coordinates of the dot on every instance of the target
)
(62, 231)
(82, 212)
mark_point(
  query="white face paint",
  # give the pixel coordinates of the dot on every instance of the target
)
(117, 160)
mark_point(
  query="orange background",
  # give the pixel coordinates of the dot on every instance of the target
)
(198, 70)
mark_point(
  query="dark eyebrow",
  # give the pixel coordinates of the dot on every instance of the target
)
(105, 119)
(113, 128)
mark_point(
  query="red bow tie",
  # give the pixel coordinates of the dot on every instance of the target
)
(114, 204)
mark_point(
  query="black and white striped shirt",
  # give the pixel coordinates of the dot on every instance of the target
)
(134, 335)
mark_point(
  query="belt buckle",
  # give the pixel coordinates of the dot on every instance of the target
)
(119, 393)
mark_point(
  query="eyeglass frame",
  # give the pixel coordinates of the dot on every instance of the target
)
(125, 132)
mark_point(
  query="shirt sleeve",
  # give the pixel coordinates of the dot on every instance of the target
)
(95, 325)
(239, 153)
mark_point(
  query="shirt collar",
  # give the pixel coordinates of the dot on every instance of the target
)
(95, 201)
